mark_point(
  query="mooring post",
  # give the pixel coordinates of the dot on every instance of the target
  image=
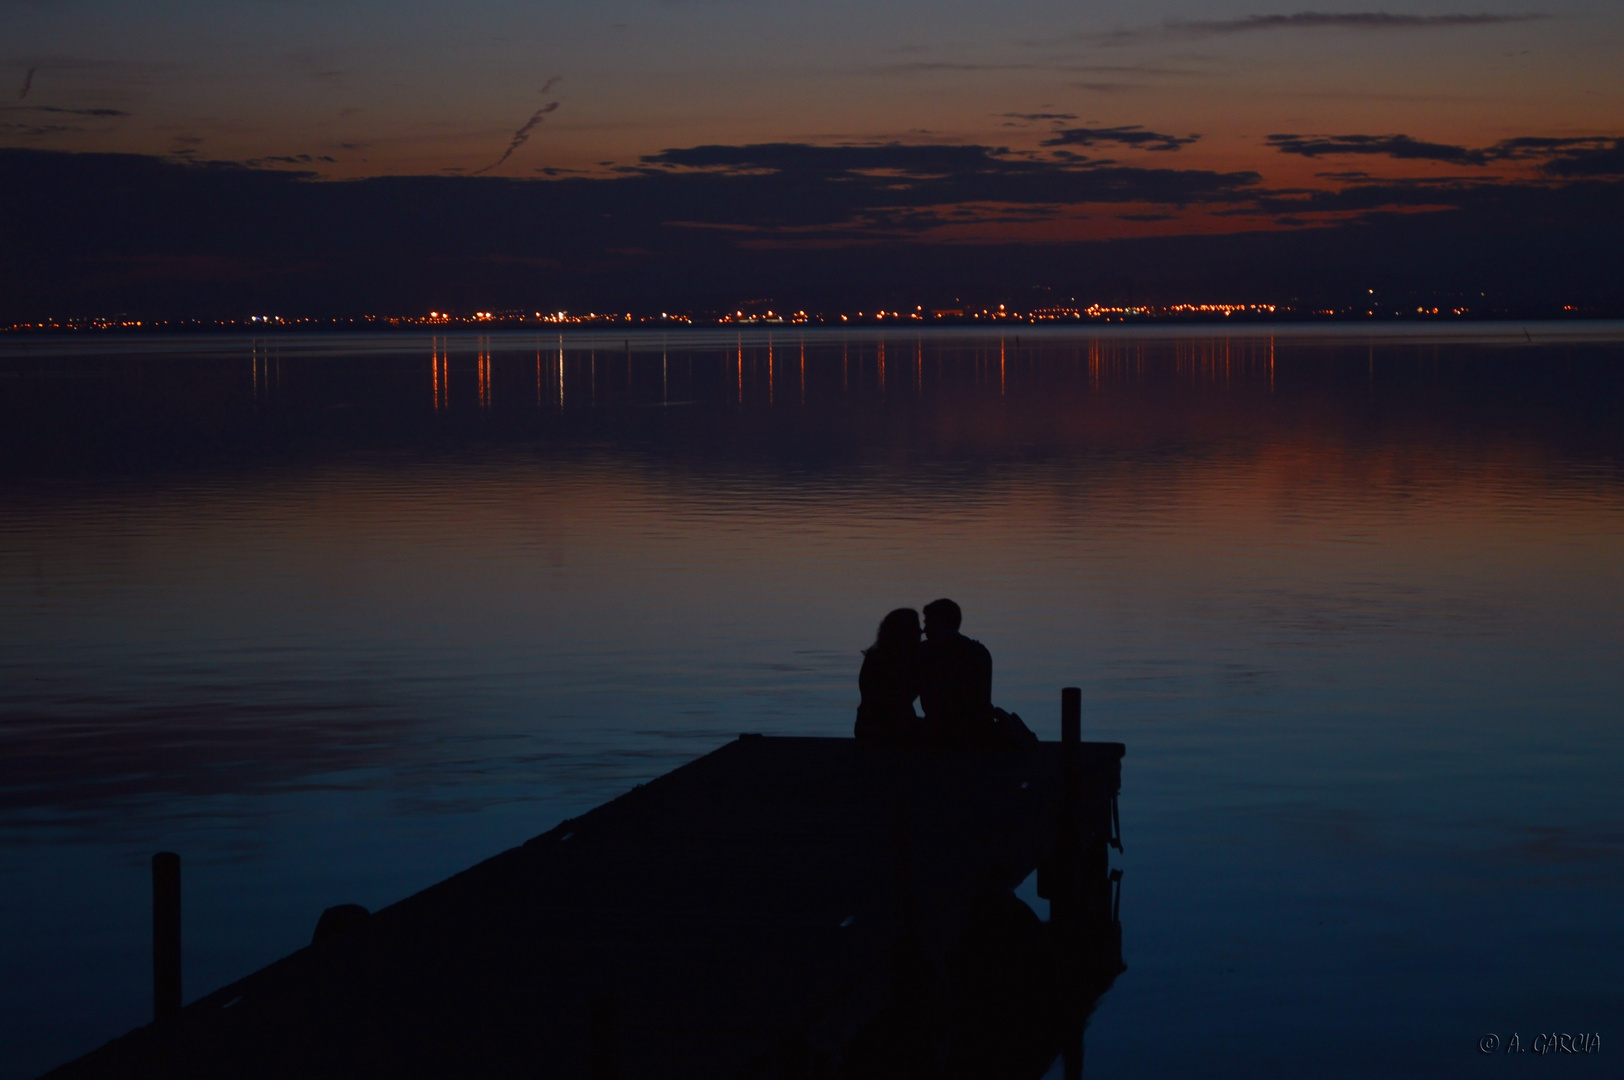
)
(1060, 873)
(1073, 839)
(165, 935)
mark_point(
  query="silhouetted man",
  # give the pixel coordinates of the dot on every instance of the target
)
(955, 678)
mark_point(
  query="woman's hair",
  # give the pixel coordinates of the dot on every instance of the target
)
(898, 630)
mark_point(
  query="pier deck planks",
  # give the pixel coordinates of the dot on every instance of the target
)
(740, 909)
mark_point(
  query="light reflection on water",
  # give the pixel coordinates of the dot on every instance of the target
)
(337, 617)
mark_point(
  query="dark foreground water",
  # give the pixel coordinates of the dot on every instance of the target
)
(336, 617)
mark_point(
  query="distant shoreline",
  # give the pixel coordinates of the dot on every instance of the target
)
(619, 324)
(17, 341)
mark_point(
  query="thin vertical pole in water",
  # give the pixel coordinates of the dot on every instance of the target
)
(165, 935)
(1071, 715)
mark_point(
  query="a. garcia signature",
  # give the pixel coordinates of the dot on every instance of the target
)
(1552, 1042)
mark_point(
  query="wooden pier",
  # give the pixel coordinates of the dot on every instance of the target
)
(782, 907)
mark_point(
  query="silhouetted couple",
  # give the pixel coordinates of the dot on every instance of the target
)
(950, 674)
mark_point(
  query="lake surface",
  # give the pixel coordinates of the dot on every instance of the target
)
(335, 617)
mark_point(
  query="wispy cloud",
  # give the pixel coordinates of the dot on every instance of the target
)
(927, 67)
(1105, 87)
(287, 159)
(30, 121)
(28, 84)
(1132, 136)
(1350, 20)
(1148, 71)
(321, 64)
(522, 136)
(37, 130)
(1366, 21)
(104, 113)
(1035, 116)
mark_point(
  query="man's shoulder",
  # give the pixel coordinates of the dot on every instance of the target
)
(969, 649)
(956, 647)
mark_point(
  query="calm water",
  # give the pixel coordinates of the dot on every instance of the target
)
(336, 617)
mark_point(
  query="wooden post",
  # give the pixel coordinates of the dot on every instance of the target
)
(165, 935)
(1060, 874)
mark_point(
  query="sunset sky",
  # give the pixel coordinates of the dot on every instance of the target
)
(946, 123)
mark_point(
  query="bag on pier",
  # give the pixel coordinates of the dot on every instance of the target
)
(1010, 730)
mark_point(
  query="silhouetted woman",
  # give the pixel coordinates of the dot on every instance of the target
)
(889, 681)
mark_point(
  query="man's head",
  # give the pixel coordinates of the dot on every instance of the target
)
(942, 617)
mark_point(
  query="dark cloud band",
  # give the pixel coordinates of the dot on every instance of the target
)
(1401, 147)
(1566, 157)
(826, 223)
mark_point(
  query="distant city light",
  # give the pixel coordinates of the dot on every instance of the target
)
(961, 313)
